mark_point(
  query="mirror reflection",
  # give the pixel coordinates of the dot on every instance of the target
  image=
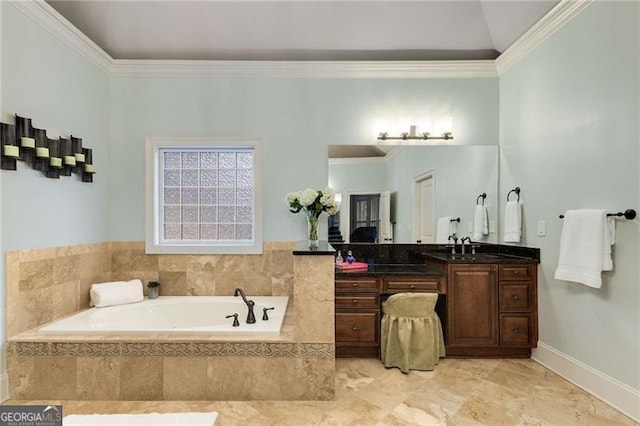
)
(397, 194)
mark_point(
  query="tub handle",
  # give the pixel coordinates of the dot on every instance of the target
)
(236, 323)
(265, 317)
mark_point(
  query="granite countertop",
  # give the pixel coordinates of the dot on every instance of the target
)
(375, 269)
(479, 258)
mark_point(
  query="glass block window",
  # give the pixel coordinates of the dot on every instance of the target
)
(207, 194)
(203, 197)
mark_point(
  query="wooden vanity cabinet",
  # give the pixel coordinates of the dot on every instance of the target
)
(357, 302)
(472, 308)
(518, 306)
(491, 310)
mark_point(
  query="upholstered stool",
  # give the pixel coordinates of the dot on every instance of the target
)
(412, 336)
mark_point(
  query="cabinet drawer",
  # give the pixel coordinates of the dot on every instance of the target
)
(514, 297)
(399, 286)
(514, 330)
(357, 327)
(358, 301)
(514, 272)
(356, 285)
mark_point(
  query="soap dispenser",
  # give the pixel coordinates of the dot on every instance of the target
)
(339, 258)
(350, 258)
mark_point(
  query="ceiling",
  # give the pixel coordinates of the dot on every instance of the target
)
(303, 29)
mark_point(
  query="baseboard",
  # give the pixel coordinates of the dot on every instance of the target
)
(615, 393)
(4, 387)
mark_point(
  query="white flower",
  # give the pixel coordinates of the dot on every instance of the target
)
(333, 209)
(292, 197)
(308, 197)
(328, 198)
(306, 200)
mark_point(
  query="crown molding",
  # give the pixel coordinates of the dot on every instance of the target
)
(49, 19)
(305, 69)
(554, 20)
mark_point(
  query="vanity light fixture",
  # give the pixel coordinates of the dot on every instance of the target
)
(423, 132)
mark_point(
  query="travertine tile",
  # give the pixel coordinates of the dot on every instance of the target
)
(552, 402)
(173, 262)
(36, 274)
(55, 377)
(201, 283)
(35, 309)
(141, 378)
(133, 260)
(173, 283)
(185, 378)
(65, 298)
(98, 378)
(65, 269)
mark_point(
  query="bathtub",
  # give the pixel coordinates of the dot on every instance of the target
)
(192, 315)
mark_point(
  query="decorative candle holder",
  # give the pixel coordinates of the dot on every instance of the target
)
(10, 151)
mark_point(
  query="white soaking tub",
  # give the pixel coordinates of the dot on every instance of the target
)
(192, 315)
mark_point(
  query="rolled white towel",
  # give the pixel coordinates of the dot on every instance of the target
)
(116, 293)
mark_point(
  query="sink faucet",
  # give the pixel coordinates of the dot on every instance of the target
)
(251, 318)
(462, 243)
(453, 237)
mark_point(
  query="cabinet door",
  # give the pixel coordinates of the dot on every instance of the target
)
(472, 305)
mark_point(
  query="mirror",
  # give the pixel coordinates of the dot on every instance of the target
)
(406, 188)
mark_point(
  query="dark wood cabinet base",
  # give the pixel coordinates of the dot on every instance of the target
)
(357, 351)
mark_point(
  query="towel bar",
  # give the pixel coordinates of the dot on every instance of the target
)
(628, 214)
(456, 220)
(483, 196)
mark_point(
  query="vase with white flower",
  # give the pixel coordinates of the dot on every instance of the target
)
(313, 203)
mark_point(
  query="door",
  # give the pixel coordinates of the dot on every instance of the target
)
(365, 217)
(472, 306)
(385, 230)
(423, 211)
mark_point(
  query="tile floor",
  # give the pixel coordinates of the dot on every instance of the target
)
(457, 392)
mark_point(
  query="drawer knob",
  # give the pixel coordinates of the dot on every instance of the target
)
(354, 301)
(355, 285)
(355, 328)
(515, 296)
(515, 272)
(516, 330)
(412, 286)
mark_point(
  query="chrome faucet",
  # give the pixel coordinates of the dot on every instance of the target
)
(453, 237)
(462, 243)
(251, 318)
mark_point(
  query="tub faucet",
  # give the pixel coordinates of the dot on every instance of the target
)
(251, 318)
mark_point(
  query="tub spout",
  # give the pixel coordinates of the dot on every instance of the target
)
(251, 317)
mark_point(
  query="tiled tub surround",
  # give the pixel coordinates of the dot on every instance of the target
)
(297, 365)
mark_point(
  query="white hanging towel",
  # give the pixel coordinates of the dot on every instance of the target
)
(480, 222)
(585, 246)
(444, 228)
(513, 222)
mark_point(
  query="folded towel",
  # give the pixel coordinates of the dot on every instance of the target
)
(585, 246)
(116, 293)
(512, 222)
(444, 228)
(480, 222)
